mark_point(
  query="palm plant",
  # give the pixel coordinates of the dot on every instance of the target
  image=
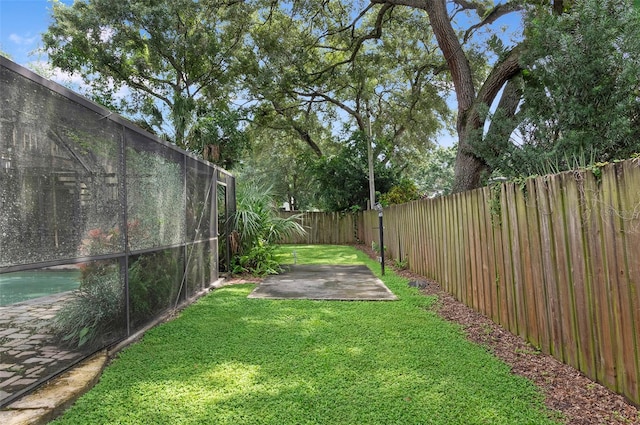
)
(259, 229)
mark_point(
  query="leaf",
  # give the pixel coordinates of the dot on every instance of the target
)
(84, 336)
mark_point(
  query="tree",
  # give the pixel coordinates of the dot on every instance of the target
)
(434, 175)
(216, 135)
(305, 73)
(403, 191)
(281, 160)
(581, 91)
(469, 168)
(475, 89)
(581, 82)
(176, 57)
(342, 179)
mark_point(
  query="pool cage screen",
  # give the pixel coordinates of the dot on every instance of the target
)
(103, 228)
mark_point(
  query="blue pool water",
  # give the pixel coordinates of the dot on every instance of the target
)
(23, 286)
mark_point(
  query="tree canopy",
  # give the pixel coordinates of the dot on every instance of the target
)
(175, 58)
(302, 83)
(580, 89)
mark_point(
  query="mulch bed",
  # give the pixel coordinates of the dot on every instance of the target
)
(576, 398)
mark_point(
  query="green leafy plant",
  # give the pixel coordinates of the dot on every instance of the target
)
(343, 179)
(94, 312)
(153, 283)
(376, 247)
(258, 261)
(403, 192)
(580, 91)
(400, 264)
(259, 228)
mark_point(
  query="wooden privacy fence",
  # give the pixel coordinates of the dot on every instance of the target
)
(555, 260)
(334, 228)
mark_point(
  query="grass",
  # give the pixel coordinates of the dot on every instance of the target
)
(232, 360)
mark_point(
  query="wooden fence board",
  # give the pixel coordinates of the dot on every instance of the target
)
(507, 249)
(436, 214)
(601, 289)
(530, 313)
(582, 309)
(425, 226)
(470, 244)
(416, 229)
(463, 250)
(536, 266)
(626, 358)
(434, 243)
(482, 246)
(447, 219)
(404, 242)
(563, 265)
(613, 249)
(502, 241)
(630, 214)
(547, 236)
(520, 255)
(412, 245)
(491, 259)
(453, 247)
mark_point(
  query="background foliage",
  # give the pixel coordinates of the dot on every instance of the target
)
(581, 90)
(278, 89)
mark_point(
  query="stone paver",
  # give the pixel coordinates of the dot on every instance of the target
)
(28, 352)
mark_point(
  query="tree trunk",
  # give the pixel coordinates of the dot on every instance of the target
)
(469, 168)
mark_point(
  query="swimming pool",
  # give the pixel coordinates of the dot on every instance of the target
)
(22, 286)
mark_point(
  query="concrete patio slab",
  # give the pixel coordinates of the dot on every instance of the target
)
(324, 282)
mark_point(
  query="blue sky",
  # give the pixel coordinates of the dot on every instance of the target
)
(21, 24)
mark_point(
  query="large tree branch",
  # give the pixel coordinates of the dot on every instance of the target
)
(496, 13)
(506, 122)
(354, 113)
(376, 33)
(502, 72)
(302, 132)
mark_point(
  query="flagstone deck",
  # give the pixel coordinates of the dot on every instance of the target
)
(28, 350)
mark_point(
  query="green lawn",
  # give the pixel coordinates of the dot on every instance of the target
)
(232, 360)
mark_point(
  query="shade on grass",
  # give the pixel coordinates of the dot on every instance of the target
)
(232, 360)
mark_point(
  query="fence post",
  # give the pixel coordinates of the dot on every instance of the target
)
(378, 208)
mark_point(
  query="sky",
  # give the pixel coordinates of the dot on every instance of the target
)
(21, 24)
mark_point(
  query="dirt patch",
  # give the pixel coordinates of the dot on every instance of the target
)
(576, 398)
(242, 279)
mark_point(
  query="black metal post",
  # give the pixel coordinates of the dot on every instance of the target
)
(381, 226)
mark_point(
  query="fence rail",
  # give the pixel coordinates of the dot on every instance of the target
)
(555, 260)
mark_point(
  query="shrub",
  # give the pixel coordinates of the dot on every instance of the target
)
(259, 228)
(404, 191)
(95, 312)
(259, 261)
(153, 284)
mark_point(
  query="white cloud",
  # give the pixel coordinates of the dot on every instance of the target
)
(72, 81)
(23, 40)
